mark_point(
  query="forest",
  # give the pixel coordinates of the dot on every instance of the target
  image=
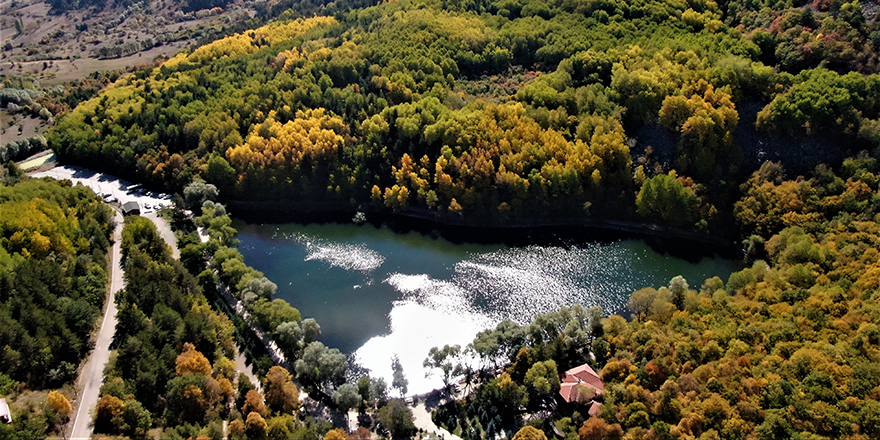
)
(502, 112)
(788, 348)
(53, 278)
(493, 112)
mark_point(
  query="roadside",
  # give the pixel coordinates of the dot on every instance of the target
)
(92, 374)
(113, 189)
(165, 232)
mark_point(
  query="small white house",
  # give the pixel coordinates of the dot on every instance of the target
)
(5, 415)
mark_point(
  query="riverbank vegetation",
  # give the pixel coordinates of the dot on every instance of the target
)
(322, 371)
(53, 281)
(172, 374)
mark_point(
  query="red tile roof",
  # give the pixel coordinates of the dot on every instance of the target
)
(582, 375)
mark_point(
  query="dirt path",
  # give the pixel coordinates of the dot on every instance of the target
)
(422, 420)
(92, 375)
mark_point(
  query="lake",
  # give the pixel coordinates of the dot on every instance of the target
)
(377, 293)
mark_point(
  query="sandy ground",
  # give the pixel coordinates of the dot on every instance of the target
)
(22, 126)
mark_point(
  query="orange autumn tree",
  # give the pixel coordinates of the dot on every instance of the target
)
(192, 361)
(253, 403)
(281, 394)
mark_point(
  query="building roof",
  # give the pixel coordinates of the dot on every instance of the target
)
(130, 206)
(577, 377)
(594, 409)
(5, 415)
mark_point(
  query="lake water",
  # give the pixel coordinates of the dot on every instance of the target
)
(377, 293)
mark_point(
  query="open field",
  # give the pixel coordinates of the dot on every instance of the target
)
(56, 48)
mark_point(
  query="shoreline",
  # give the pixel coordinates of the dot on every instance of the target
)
(680, 243)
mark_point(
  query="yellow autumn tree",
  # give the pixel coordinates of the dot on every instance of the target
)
(312, 135)
(529, 433)
(277, 32)
(59, 404)
(706, 119)
(335, 434)
(192, 361)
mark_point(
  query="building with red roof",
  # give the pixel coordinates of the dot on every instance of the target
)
(578, 381)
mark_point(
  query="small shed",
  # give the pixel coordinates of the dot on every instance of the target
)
(5, 415)
(131, 208)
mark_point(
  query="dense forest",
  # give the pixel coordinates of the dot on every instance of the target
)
(492, 112)
(506, 112)
(786, 348)
(53, 281)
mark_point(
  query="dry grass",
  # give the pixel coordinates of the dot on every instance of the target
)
(61, 48)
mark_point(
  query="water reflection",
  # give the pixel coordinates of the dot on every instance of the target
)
(432, 292)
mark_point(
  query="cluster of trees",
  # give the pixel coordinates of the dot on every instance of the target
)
(389, 105)
(794, 36)
(125, 49)
(530, 359)
(160, 376)
(53, 281)
(25, 101)
(22, 148)
(786, 348)
(174, 370)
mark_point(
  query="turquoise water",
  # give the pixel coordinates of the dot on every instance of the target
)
(377, 293)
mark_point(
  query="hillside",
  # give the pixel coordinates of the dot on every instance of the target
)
(505, 112)
(491, 111)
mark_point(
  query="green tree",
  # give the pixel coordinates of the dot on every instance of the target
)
(678, 287)
(542, 381)
(398, 380)
(665, 198)
(396, 418)
(196, 193)
(445, 360)
(346, 396)
(321, 366)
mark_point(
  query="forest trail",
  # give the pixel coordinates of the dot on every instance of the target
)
(92, 375)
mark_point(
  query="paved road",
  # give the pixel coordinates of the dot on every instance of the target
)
(165, 232)
(92, 375)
